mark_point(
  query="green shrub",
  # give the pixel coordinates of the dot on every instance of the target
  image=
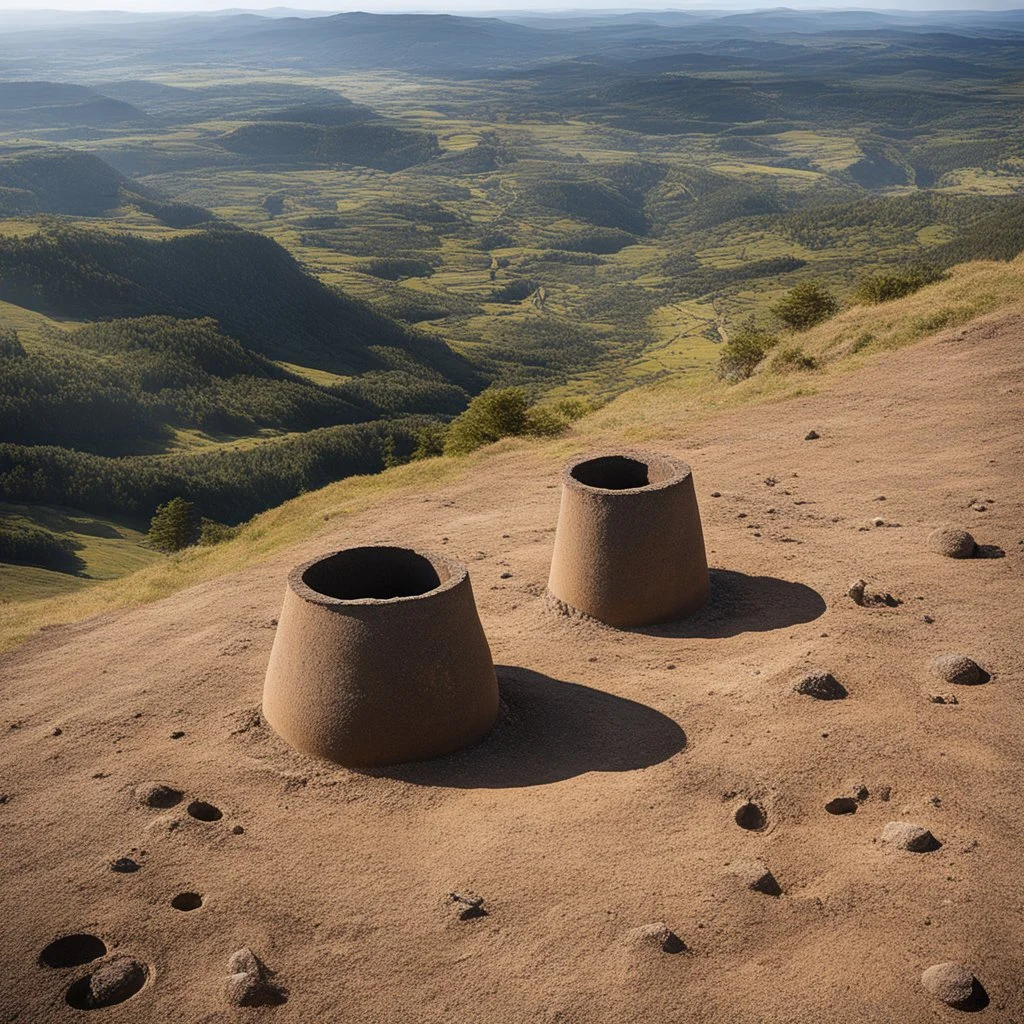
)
(514, 291)
(211, 532)
(430, 441)
(793, 357)
(394, 269)
(26, 544)
(747, 346)
(544, 421)
(174, 526)
(10, 346)
(807, 304)
(492, 415)
(573, 409)
(894, 284)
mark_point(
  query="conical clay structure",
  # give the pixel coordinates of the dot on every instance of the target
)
(629, 549)
(380, 658)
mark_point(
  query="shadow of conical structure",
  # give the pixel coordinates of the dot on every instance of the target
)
(629, 549)
(380, 658)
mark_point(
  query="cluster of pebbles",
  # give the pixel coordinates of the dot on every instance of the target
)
(951, 983)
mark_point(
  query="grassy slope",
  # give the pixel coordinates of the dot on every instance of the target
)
(108, 549)
(841, 345)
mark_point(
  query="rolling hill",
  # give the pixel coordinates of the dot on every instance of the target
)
(257, 292)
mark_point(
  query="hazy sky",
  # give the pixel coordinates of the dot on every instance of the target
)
(485, 6)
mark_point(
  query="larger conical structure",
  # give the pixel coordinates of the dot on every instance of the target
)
(629, 549)
(380, 658)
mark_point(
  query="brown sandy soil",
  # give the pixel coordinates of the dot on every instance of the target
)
(605, 801)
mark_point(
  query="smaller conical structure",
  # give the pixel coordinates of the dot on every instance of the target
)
(629, 549)
(380, 658)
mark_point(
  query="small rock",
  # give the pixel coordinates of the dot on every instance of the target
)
(244, 961)
(943, 698)
(959, 669)
(952, 542)
(114, 981)
(657, 936)
(156, 794)
(878, 522)
(57, 732)
(177, 734)
(906, 836)
(857, 594)
(811, 435)
(125, 866)
(247, 982)
(237, 830)
(757, 877)
(718, 494)
(928, 619)
(506, 576)
(950, 983)
(821, 685)
(467, 906)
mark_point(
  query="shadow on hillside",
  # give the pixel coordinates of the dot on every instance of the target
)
(550, 730)
(745, 604)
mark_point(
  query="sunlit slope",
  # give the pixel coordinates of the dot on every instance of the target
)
(855, 339)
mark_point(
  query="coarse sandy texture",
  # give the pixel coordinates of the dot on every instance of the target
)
(606, 799)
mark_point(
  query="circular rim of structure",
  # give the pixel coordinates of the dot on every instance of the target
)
(450, 572)
(675, 471)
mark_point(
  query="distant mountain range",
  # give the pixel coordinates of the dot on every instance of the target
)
(441, 42)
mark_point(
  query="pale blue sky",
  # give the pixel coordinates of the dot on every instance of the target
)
(483, 6)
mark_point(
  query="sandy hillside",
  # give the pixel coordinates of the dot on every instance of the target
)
(606, 799)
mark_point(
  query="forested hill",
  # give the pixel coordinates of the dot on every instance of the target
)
(256, 291)
(50, 179)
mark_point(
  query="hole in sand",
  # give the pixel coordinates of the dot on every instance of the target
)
(751, 817)
(187, 901)
(612, 473)
(841, 805)
(377, 573)
(202, 811)
(72, 951)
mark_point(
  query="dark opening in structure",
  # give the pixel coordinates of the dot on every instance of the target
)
(612, 473)
(377, 573)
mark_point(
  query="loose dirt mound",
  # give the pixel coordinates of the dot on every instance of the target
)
(606, 798)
